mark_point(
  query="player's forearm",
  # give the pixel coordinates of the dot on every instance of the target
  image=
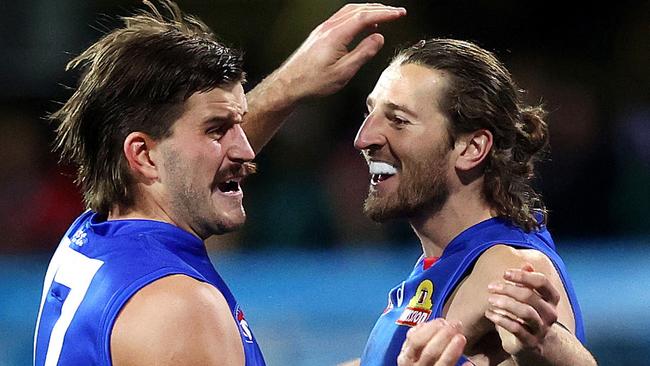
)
(561, 348)
(269, 105)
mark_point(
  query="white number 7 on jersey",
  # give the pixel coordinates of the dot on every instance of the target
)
(75, 271)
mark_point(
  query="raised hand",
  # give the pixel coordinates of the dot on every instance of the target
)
(322, 65)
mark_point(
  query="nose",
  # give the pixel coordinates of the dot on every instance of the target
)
(240, 149)
(369, 135)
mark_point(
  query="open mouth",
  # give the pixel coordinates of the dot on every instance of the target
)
(378, 178)
(380, 171)
(231, 186)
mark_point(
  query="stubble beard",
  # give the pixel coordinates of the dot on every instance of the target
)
(422, 188)
(189, 204)
(197, 209)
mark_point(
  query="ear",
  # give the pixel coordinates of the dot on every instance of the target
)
(137, 150)
(472, 149)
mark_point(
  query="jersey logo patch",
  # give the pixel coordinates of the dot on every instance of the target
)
(79, 238)
(418, 309)
(243, 326)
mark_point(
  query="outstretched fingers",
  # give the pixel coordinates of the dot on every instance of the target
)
(353, 19)
(362, 53)
(323, 64)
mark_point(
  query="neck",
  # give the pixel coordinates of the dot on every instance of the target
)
(121, 212)
(146, 209)
(460, 212)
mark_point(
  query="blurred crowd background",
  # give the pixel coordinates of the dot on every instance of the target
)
(588, 64)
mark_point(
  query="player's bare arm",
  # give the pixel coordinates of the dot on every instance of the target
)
(176, 320)
(524, 311)
(322, 65)
(477, 300)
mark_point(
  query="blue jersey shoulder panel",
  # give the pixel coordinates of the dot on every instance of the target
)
(98, 266)
(422, 296)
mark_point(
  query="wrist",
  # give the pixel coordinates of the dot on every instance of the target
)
(286, 87)
(269, 105)
(539, 353)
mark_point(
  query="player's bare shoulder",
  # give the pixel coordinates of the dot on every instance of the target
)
(500, 258)
(489, 267)
(468, 301)
(176, 320)
(497, 259)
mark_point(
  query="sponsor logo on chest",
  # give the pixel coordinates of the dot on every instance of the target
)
(419, 307)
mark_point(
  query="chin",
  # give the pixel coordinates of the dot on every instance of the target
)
(224, 223)
(220, 228)
(379, 210)
(229, 228)
(233, 223)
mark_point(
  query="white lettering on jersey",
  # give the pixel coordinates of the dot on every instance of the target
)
(246, 330)
(75, 271)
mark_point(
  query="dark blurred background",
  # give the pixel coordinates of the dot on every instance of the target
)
(589, 65)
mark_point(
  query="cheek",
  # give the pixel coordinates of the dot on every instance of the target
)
(216, 152)
(202, 161)
(426, 158)
(412, 150)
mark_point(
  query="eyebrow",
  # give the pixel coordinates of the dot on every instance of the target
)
(401, 107)
(392, 105)
(221, 118)
(219, 121)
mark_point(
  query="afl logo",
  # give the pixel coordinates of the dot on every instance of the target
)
(247, 335)
(419, 308)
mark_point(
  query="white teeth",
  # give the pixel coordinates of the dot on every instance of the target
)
(379, 167)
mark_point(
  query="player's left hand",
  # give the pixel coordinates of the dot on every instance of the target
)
(523, 308)
(323, 64)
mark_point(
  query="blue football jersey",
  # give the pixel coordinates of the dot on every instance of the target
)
(423, 295)
(98, 266)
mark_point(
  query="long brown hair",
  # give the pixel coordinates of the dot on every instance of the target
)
(136, 78)
(482, 94)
